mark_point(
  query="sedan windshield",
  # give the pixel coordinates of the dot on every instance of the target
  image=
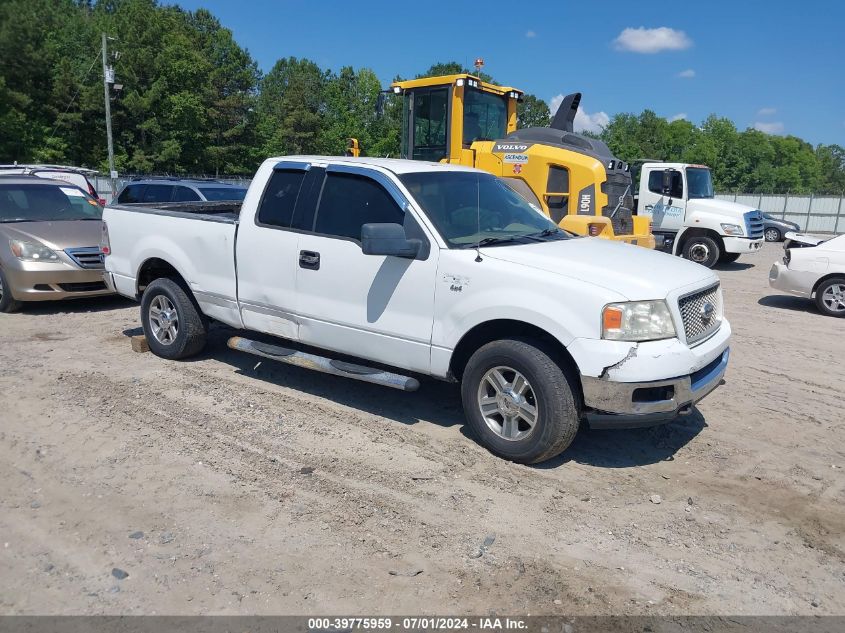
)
(699, 182)
(46, 203)
(223, 193)
(470, 208)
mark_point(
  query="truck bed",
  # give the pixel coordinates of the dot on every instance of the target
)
(206, 211)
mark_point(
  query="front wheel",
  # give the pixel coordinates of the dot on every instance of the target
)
(7, 302)
(173, 325)
(772, 235)
(702, 250)
(519, 402)
(830, 297)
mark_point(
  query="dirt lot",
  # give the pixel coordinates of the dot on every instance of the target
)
(196, 480)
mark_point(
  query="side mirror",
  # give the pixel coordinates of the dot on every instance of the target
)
(667, 182)
(388, 239)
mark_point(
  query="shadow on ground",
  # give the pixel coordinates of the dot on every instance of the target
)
(734, 266)
(439, 403)
(75, 306)
(785, 302)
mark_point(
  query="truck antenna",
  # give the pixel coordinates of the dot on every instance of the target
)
(478, 219)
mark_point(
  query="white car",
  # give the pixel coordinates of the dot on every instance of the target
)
(813, 267)
(429, 269)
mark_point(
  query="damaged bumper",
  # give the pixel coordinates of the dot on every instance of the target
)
(653, 382)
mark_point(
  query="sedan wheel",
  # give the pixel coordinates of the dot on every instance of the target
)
(833, 298)
(772, 235)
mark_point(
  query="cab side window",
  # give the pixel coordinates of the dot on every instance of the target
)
(279, 200)
(655, 183)
(350, 201)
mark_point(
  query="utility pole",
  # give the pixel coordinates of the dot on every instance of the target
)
(108, 73)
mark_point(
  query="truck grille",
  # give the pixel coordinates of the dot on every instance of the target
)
(89, 257)
(754, 224)
(694, 313)
(615, 186)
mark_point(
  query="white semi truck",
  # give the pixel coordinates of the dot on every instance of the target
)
(688, 220)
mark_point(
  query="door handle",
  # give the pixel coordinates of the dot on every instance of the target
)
(309, 260)
(649, 207)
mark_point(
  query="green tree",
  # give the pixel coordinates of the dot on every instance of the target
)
(532, 112)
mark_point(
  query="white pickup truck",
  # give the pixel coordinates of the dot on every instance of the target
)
(688, 220)
(387, 270)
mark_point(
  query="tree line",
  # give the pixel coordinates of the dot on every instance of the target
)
(195, 102)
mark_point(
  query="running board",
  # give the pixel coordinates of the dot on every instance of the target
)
(325, 365)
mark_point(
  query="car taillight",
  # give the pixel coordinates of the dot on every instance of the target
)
(105, 245)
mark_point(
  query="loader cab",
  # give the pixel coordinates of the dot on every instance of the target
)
(443, 116)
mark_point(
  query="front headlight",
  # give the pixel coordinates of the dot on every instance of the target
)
(32, 251)
(732, 229)
(637, 321)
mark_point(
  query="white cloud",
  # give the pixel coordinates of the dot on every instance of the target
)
(776, 127)
(530, 34)
(584, 121)
(643, 40)
(678, 117)
(689, 73)
(766, 111)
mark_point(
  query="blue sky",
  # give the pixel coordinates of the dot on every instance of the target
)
(779, 66)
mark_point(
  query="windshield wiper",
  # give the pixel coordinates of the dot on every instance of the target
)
(487, 241)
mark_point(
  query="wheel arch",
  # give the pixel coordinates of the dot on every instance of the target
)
(157, 268)
(825, 278)
(498, 329)
(696, 231)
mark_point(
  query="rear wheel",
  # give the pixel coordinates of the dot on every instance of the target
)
(830, 297)
(703, 250)
(173, 325)
(772, 235)
(518, 401)
(7, 302)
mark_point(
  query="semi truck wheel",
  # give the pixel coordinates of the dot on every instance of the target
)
(7, 302)
(702, 250)
(519, 402)
(830, 297)
(173, 325)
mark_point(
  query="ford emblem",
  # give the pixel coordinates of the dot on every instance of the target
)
(707, 312)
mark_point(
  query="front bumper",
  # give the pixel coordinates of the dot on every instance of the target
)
(742, 244)
(619, 405)
(37, 281)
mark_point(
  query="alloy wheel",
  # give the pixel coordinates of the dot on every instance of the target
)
(507, 403)
(834, 297)
(164, 320)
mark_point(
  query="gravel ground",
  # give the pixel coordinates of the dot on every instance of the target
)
(224, 485)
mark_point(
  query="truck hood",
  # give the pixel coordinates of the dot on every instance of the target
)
(634, 272)
(726, 208)
(56, 235)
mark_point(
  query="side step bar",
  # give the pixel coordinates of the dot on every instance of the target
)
(325, 365)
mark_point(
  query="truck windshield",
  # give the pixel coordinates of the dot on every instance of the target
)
(485, 116)
(46, 203)
(469, 208)
(699, 182)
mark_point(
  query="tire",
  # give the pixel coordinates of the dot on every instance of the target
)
(728, 258)
(168, 337)
(830, 297)
(702, 250)
(7, 302)
(547, 389)
(773, 235)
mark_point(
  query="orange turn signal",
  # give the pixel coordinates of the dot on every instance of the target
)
(612, 318)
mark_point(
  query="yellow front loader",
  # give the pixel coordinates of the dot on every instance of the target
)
(573, 178)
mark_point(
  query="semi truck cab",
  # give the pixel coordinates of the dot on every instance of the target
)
(688, 220)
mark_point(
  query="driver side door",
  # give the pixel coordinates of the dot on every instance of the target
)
(653, 203)
(375, 307)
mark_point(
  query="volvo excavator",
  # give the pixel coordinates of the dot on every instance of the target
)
(574, 179)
